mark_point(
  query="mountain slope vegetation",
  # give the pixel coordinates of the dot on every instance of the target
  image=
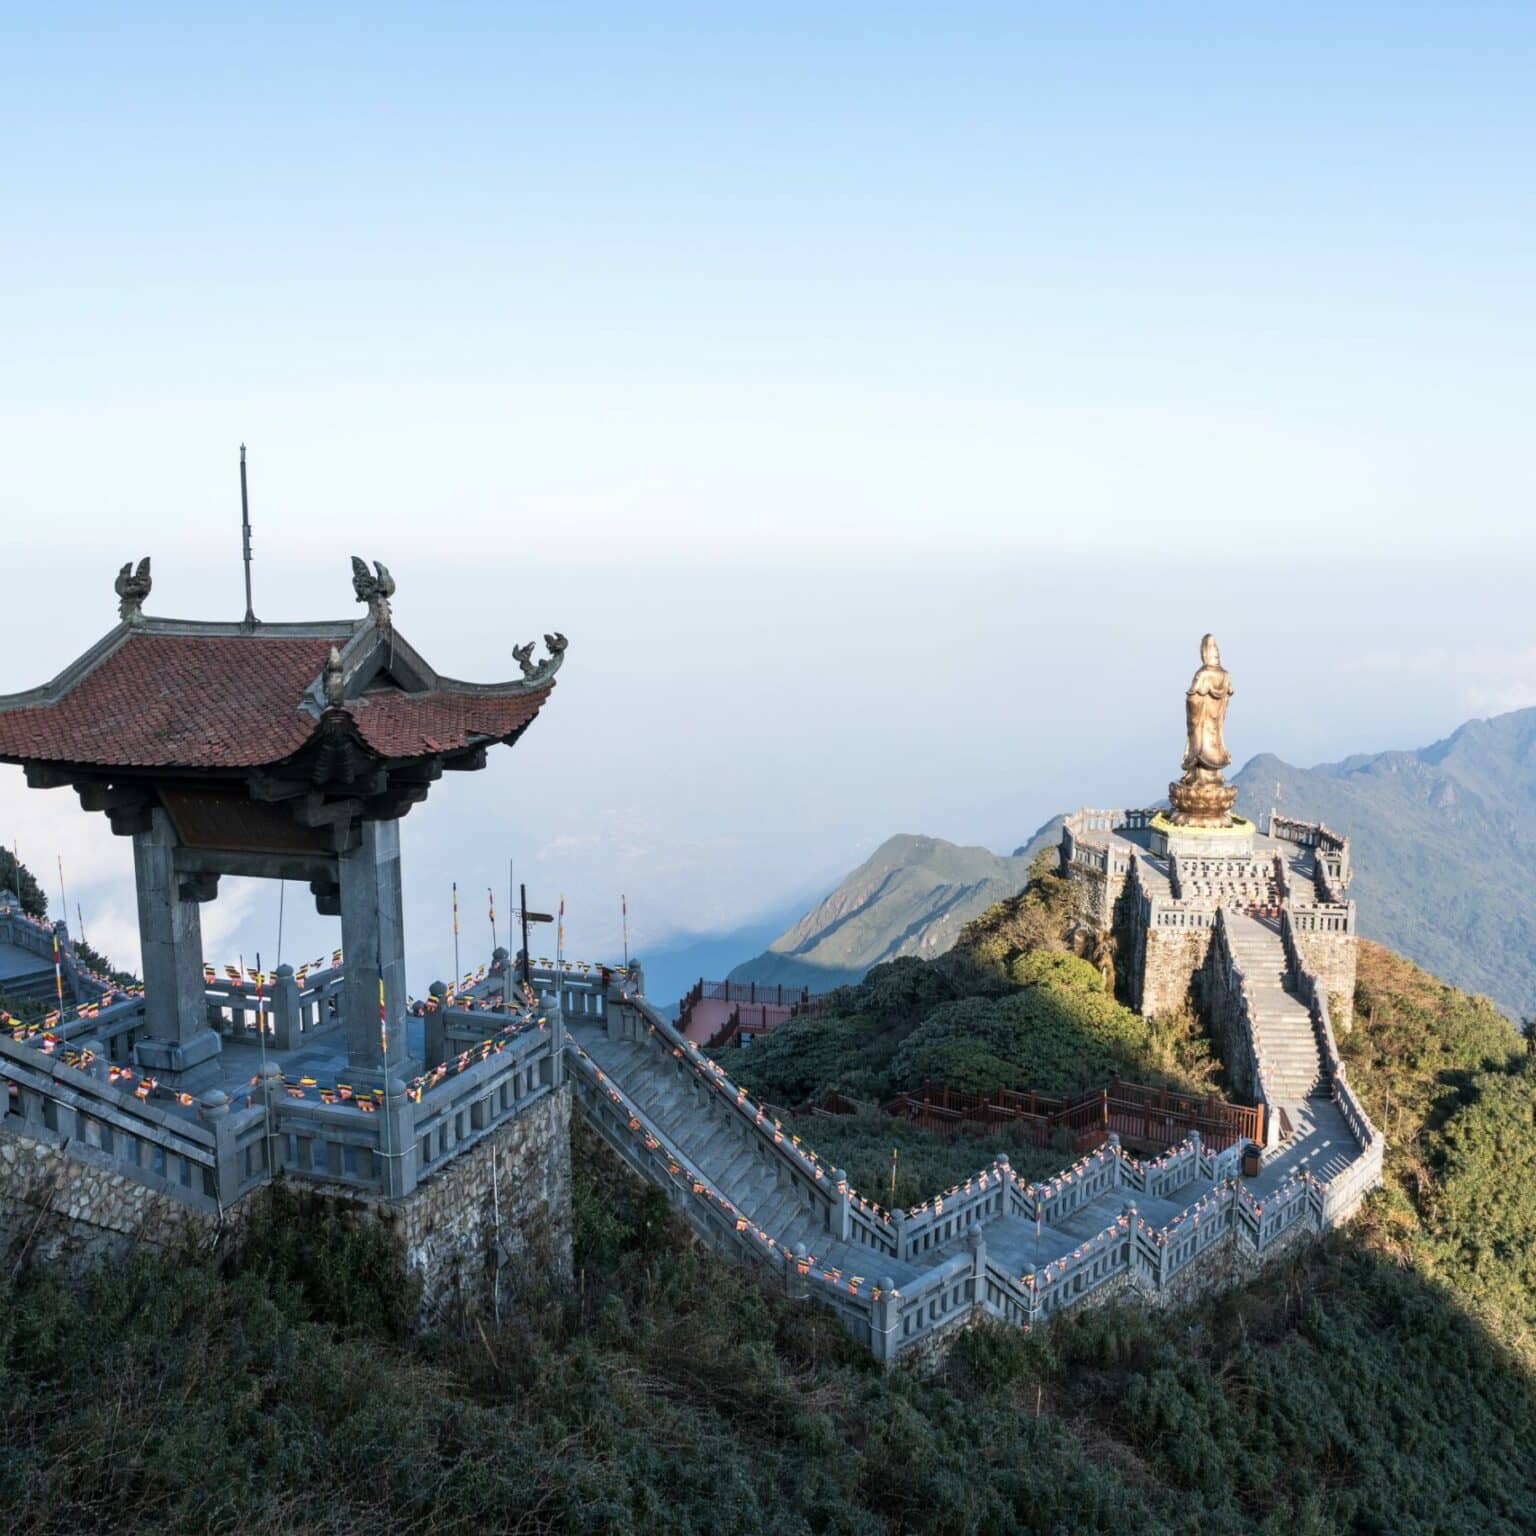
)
(1009, 1006)
(1379, 1382)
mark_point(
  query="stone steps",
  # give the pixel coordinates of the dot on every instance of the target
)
(703, 1134)
(1282, 1023)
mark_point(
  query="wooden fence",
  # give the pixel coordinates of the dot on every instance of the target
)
(1144, 1117)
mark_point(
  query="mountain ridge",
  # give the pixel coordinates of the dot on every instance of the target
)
(1444, 853)
(912, 896)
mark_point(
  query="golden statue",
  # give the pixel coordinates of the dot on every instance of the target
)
(1202, 798)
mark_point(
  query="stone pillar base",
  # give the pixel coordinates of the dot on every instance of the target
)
(188, 1066)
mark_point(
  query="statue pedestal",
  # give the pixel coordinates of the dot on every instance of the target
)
(1233, 841)
(1202, 799)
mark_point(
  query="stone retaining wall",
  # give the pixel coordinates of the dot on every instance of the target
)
(1331, 958)
(500, 1211)
(1225, 1011)
(67, 1204)
(1172, 958)
(492, 1221)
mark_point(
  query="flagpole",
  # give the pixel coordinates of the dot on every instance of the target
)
(456, 972)
(58, 975)
(266, 1082)
(624, 915)
(558, 1032)
(512, 907)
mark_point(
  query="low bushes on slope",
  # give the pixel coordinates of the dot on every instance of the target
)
(1453, 1086)
(990, 1014)
(669, 1393)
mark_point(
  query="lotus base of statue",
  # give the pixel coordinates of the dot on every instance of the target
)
(1201, 802)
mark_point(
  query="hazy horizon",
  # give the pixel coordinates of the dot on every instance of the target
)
(883, 403)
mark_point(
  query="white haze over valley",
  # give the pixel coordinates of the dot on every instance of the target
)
(883, 406)
(725, 742)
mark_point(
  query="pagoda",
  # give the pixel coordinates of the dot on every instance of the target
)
(286, 751)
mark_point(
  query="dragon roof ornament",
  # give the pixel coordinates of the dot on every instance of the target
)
(538, 672)
(132, 587)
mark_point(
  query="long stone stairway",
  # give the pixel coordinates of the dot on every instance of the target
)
(1287, 1042)
(697, 1130)
(1018, 1252)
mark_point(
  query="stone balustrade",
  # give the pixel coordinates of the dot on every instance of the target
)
(78, 1107)
(210, 1153)
(1367, 1171)
(1159, 912)
(293, 1010)
(1323, 917)
(758, 1132)
(1232, 1018)
(36, 936)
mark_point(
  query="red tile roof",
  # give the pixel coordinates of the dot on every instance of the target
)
(204, 701)
(420, 724)
(232, 701)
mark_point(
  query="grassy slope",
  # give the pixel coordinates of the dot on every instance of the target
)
(1007, 1006)
(1379, 1382)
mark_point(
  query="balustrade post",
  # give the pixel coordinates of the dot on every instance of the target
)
(797, 1284)
(287, 1020)
(842, 1215)
(885, 1322)
(397, 1140)
(271, 1091)
(213, 1111)
(98, 1059)
(899, 1230)
(977, 1243)
(435, 1025)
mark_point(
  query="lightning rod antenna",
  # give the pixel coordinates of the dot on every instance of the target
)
(245, 540)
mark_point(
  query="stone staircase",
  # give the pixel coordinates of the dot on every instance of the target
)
(1286, 1040)
(994, 1244)
(698, 1129)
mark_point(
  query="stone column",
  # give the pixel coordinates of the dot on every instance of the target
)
(287, 1019)
(177, 1045)
(373, 943)
(434, 1025)
(885, 1322)
(842, 1211)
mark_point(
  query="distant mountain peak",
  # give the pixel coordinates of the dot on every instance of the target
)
(911, 896)
(1444, 845)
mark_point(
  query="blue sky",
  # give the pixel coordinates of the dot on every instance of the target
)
(884, 374)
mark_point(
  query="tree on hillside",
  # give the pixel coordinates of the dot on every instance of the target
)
(1039, 917)
(17, 877)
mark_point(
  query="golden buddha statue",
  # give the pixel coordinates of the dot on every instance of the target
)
(1202, 798)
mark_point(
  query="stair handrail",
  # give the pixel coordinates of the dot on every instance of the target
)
(869, 1220)
(859, 1293)
(1237, 983)
(1316, 997)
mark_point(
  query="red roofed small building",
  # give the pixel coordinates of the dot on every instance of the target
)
(288, 751)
